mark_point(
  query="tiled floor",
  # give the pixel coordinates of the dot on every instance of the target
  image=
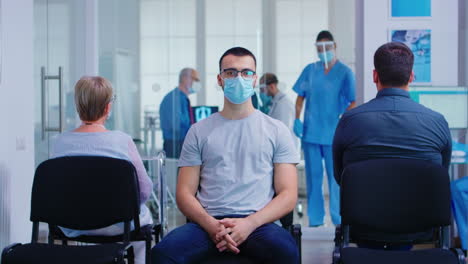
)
(317, 245)
(317, 242)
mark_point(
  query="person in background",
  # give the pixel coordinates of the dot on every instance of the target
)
(280, 107)
(391, 125)
(93, 100)
(175, 112)
(237, 176)
(328, 87)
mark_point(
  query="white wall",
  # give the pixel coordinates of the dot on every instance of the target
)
(341, 20)
(463, 79)
(297, 24)
(375, 26)
(16, 112)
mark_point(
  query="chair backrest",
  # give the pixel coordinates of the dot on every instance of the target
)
(287, 220)
(395, 195)
(85, 192)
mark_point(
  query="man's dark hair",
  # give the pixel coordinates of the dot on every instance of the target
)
(237, 51)
(269, 78)
(394, 63)
(325, 34)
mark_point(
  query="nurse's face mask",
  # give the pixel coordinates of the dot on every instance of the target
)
(238, 89)
(326, 51)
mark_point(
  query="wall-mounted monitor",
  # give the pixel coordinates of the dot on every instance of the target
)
(452, 102)
(202, 111)
(410, 8)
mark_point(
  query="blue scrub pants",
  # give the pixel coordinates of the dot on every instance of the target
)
(189, 243)
(313, 155)
(460, 208)
(173, 148)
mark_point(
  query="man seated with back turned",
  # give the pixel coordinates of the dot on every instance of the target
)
(237, 176)
(392, 125)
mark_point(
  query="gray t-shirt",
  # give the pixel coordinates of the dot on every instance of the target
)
(237, 159)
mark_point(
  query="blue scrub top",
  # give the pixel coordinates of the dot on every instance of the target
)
(174, 115)
(327, 97)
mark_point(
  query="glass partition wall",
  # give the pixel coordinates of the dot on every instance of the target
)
(66, 44)
(141, 47)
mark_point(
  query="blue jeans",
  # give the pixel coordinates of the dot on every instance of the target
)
(189, 243)
(313, 156)
(173, 148)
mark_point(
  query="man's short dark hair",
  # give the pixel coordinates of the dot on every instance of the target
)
(325, 34)
(269, 78)
(394, 63)
(237, 51)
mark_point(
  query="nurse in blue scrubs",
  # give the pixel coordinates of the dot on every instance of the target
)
(328, 89)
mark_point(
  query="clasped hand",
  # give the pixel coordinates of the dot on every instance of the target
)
(232, 232)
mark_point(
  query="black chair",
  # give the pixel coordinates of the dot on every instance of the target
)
(81, 193)
(395, 202)
(39, 253)
(286, 222)
(101, 186)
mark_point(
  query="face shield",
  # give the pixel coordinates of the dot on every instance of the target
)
(325, 50)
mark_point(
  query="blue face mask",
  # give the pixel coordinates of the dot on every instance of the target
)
(237, 90)
(266, 99)
(196, 86)
(326, 57)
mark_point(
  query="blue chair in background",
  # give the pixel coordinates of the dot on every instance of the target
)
(460, 208)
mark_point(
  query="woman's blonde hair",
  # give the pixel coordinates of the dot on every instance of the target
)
(92, 95)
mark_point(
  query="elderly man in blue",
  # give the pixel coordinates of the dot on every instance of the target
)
(175, 112)
(328, 87)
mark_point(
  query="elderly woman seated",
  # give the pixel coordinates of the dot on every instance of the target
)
(93, 99)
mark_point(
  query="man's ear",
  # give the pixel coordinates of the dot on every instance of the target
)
(220, 81)
(411, 77)
(375, 76)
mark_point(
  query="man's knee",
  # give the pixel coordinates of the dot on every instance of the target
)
(286, 249)
(279, 243)
(185, 244)
(158, 256)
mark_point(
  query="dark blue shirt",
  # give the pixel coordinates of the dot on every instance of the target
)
(391, 126)
(174, 115)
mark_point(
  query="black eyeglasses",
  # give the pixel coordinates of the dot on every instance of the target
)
(233, 73)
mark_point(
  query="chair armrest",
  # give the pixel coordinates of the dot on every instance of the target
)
(297, 229)
(338, 236)
(156, 232)
(296, 232)
(7, 250)
(336, 257)
(130, 254)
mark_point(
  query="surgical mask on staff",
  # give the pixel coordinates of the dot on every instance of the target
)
(195, 88)
(326, 52)
(326, 57)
